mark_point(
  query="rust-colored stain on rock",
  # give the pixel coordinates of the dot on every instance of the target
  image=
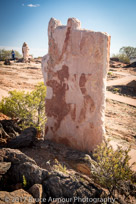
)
(82, 80)
(57, 106)
(65, 42)
(63, 73)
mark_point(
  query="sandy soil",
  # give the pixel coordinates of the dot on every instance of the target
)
(120, 118)
(19, 76)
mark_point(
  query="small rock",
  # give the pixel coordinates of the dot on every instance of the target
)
(36, 191)
(7, 62)
(25, 139)
(4, 166)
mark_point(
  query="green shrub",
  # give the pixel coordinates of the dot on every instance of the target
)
(122, 58)
(110, 73)
(112, 166)
(29, 108)
(115, 90)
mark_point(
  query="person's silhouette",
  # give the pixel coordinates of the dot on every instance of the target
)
(13, 54)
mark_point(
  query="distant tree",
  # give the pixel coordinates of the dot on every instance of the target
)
(6, 54)
(130, 52)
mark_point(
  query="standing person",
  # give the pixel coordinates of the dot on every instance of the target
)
(13, 55)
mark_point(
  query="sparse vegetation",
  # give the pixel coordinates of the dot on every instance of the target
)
(109, 73)
(24, 181)
(28, 108)
(6, 54)
(60, 167)
(122, 58)
(115, 90)
(112, 166)
(125, 54)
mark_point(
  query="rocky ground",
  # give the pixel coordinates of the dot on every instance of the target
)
(41, 169)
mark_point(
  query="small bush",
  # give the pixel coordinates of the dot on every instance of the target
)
(59, 167)
(116, 90)
(122, 58)
(112, 166)
(110, 73)
(29, 108)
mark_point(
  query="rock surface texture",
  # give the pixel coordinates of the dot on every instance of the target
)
(75, 71)
(52, 184)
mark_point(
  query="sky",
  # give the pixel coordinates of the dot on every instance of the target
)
(27, 21)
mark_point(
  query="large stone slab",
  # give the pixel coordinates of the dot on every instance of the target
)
(25, 52)
(75, 71)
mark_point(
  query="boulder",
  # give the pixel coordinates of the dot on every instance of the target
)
(70, 187)
(7, 62)
(22, 166)
(36, 191)
(132, 84)
(14, 156)
(25, 139)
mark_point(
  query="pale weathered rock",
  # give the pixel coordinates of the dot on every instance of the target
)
(16, 197)
(4, 166)
(36, 191)
(25, 52)
(75, 71)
